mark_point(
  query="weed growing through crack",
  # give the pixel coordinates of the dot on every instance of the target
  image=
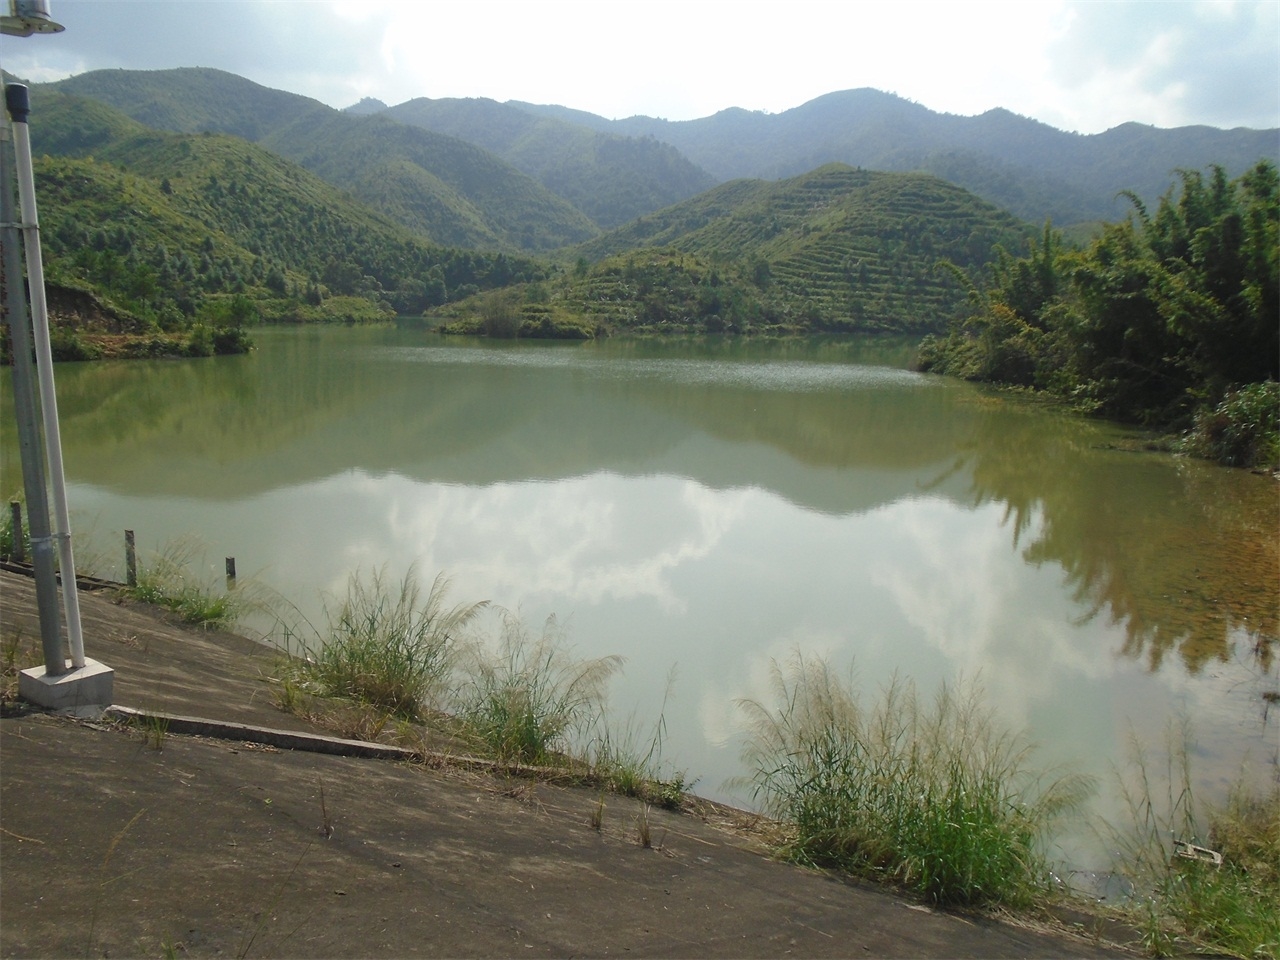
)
(937, 798)
(326, 826)
(597, 814)
(17, 653)
(154, 729)
(104, 881)
(266, 915)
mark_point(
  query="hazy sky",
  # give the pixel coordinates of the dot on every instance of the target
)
(1082, 66)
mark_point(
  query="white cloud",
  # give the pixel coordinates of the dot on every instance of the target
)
(1170, 63)
(1078, 65)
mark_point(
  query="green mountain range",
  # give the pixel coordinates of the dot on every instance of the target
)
(442, 188)
(610, 178)
(170, 193)
(1029, 168)
(611, 171)
(146, 232)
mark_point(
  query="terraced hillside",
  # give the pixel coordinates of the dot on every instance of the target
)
(835, 249)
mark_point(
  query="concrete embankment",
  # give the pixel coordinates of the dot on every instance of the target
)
(134, 839)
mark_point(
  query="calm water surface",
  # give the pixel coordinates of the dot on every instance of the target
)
(708, 509)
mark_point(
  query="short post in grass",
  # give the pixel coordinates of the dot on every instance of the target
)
(17, 551)
(231, 573)
(130, 559)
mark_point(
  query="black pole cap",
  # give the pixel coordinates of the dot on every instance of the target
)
(17, 102)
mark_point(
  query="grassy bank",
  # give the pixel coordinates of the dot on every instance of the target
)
(167, 581)
(933, 796)
(389, 661)
(1201, 878)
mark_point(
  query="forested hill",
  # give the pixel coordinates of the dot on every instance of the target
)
(609, 177)
(440, 187)
(843, 247)
(158, 234)
(1029, 168)
(838, 250)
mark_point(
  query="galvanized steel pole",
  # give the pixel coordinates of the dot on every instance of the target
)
(15, 96)
(24, 403)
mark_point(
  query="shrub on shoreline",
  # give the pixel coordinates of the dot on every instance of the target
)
(1243, 430)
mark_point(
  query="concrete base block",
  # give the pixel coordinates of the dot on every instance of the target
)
(83, 693)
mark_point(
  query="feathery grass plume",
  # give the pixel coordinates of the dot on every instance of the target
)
(531, 697)
(1181, 895)
(937, 797)
(386, 646)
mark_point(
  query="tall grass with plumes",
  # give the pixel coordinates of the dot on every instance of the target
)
(386, 646)
(934, 796)
(1182, 898)
(529, 698)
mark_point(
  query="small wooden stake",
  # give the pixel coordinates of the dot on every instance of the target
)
(231, 573)
(17, 550)
(130, 560)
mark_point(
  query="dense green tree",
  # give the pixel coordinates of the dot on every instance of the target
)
(1160, 317)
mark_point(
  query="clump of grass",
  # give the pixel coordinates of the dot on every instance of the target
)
(1182, 901)
(935, 797)
(167, 582)
(627, 766)
(385, 646)
(529, 699)
(153, 728)
(644, 832)
(17, 653)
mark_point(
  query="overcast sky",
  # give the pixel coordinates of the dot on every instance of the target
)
(1083, 66)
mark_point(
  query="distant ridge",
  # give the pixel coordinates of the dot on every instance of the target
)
(611, 177)
(440, 187)
(1028, 167)
(610, 171)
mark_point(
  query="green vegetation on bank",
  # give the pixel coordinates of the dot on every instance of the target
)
(1171, 319)
(388, 655)
(1204, 879)
(936, 798)
(168, 582)
(388, 648)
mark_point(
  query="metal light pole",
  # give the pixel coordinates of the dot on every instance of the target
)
(24, 405)
(15, 96)
(84, 685)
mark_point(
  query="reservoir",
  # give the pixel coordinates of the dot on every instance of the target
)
(704, 509)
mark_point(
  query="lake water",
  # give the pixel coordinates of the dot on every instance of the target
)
(705, 509)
